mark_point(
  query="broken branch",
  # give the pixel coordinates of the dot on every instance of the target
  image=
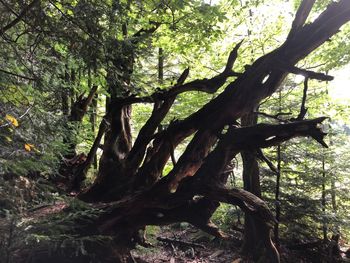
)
(179, 242)
(301, 16)
(303, 110)
(306, 73)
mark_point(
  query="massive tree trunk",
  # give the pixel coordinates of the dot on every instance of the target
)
(130, 178)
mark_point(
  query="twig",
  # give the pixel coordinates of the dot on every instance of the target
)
(204, 85)
(179, 242)
(143, 31)
(263, 157)
(17, 75)
(276, 116)
(306, 73)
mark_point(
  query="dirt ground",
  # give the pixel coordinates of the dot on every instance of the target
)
(182, 243)
(189, 245)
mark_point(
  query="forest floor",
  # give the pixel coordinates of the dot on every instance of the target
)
(182, 243)
(178, 243)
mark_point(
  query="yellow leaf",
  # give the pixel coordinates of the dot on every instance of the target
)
(28, 147)
(12, 119)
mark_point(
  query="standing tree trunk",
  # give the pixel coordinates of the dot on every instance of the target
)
(277, 196)
(74, 114)
(93, 113)
(160, 65)
(324, 220)
(257, 236)
(117, 140)
(278, 180)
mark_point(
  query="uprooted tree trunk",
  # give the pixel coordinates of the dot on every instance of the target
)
(130, 181)
(196, 197)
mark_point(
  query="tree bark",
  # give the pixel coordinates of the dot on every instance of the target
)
(323, 200)
(71, 161)
(257, 235)
(130, 177)
(117, 140)
(277, 196)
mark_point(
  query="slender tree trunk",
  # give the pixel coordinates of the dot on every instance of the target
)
(277, 197)
(93, 113)
(334, 200)
(278, 181)
(93, 121)
(257, 235)
(80, 171)
(65, 102)
(69, 138)
(160, 65)
(324, 225)
(65, 99)
(333, 195)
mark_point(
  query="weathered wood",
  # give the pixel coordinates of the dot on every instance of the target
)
(247, 90)
(80, 106)
(79, 174)
(142, 196)
(301, 16)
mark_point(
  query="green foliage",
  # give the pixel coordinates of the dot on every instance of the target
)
(63, 48)
(33, 143)
(228, 218)
(302, 169)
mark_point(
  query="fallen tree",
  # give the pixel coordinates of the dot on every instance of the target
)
(130, 190)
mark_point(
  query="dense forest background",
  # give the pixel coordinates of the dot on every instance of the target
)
(117, 116)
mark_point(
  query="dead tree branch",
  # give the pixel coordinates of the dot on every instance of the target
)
(203, 85)
(303, 109)
(248, 90)
(179, 242)
(17, 75)
(301, 16)
(263, 157)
